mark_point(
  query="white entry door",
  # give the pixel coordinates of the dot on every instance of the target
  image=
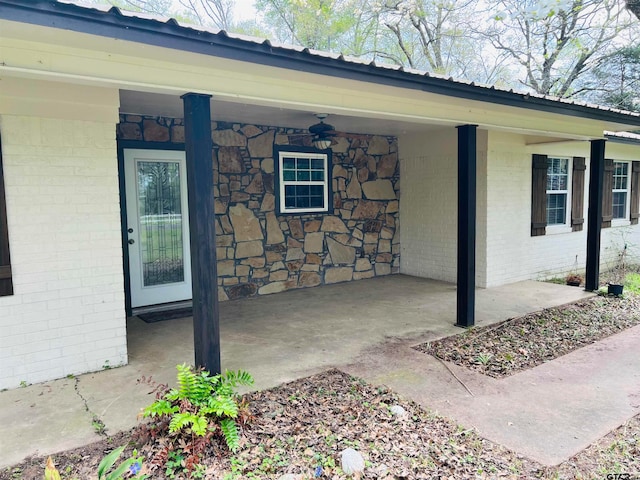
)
(157, 226)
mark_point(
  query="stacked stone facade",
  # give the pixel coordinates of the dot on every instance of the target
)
(261, 252)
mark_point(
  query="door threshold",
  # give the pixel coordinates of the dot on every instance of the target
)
(162, 307)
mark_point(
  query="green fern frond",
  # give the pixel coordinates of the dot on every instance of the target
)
(221, 406)
(159, 408)
(182, 420)
(233, 379)
(230, 432)
(186, 381)
(200, 426)
(198, 423)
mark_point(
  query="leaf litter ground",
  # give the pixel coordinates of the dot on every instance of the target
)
(518, 344)
(305, 424)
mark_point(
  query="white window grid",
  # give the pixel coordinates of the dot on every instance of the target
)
(284, 183)
(558, 187)
(621, 181)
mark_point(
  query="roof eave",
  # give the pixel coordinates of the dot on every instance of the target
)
(169, 34)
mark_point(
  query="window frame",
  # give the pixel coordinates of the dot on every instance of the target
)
(566, 226)
(625, 220)
(280, 152)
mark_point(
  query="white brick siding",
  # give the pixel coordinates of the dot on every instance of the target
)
(505, 250)
(512, 253)
(429, 203)
(67, 314)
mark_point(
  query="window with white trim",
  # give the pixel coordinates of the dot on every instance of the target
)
(303, 182)
(621, 186)
(558, 181)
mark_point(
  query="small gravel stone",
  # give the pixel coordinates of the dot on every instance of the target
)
(352, 461)
(398, 411)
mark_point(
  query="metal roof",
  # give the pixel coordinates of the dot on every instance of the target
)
(623, 137)
(170, 33)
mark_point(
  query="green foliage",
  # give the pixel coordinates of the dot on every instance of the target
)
(632, 283)
(618, 79)
(201, 405)
(174, 464)
(230, 432)
(129, 468)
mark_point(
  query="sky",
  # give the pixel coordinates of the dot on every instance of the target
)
(244, 10)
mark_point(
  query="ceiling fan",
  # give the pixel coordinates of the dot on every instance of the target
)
(322, 133)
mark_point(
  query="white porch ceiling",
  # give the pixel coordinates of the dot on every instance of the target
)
(145, 103)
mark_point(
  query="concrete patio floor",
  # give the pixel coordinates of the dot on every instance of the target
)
(366, 328)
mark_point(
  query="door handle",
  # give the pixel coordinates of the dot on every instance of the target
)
(131, 241)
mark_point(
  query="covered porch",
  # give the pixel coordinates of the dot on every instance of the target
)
(280, 338)
(277, 338)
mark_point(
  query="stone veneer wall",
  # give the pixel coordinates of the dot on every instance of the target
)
(260, 252)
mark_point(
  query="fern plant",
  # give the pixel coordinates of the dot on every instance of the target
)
(202, 403)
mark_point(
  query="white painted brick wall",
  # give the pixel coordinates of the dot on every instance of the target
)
(505, 250)
(67, 315)
(428, 205)
(512, 253)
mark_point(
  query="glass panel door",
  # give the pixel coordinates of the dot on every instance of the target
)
(160, 222)
(157, 226)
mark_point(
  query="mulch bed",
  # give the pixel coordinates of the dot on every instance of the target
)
(303, 425)
(518, 344)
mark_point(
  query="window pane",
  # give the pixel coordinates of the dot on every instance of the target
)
(160, 222)
(289, 196)
(620, 175)
(619, 204)
(316, 202)
(556, 208)
(298, 172)
(316, 190)
(302, 190)
(288, 164)
(557, 174)
(562, 182)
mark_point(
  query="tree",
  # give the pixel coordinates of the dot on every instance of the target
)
(427, 31)
(634, 7)
(217, 13)
(346, 26)
(556, 42)
(441, 36)
(616, 81)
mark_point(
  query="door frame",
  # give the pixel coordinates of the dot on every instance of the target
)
(141, 145)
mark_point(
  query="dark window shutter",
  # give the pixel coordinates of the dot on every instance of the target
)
(6, 282)
(607, 194)
(539, 195)
(635, 192)
(577, 194)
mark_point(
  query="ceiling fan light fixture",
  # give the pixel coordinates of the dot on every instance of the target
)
(322, 143)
